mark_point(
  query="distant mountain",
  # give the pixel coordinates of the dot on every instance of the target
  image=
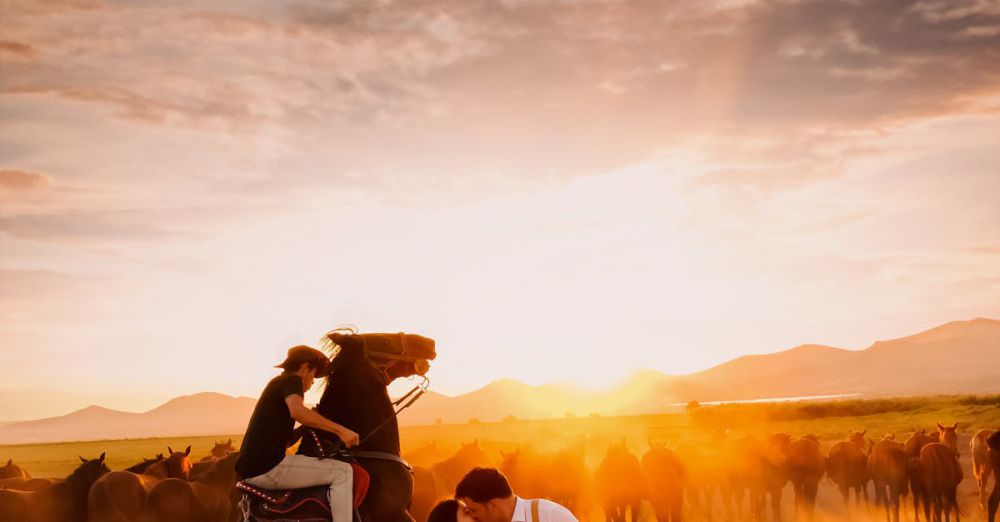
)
(957, 357)
(199, 414)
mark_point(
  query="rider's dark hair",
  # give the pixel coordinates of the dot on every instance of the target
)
(482, 485)
(297, 355)
(445, 511)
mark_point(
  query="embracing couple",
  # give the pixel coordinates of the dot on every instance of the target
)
(484, 495)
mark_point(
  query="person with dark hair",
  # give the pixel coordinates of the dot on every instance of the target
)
(263, 462)
(486, 496)
(449, 510)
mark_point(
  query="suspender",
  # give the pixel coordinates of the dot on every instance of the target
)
(534, 511)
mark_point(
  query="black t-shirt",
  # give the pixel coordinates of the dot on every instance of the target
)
(270, 427)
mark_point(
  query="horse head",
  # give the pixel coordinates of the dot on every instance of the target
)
(89, 471)
(221, 449)
(948, 436)
(393, 355)
(179, 463)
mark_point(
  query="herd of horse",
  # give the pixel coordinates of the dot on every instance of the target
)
(736, 477)
(744, 475)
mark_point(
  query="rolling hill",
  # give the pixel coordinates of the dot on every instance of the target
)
(957, 357)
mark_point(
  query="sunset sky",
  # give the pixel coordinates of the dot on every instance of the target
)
(553, 190)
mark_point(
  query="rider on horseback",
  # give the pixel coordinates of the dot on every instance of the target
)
(262, 460)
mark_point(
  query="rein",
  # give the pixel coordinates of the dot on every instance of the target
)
(341, 450)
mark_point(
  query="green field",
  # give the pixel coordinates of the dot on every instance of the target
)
(829, 420)
(59, 459)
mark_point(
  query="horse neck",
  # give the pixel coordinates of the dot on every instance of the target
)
(221, 476)
(351, 379)
(71, 494)
(142, 466)
(160, 470)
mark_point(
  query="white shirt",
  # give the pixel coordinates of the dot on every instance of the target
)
(548, 511)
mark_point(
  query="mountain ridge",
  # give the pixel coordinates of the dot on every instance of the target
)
(962, 355)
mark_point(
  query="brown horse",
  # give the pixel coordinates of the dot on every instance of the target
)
(767, 475)
(665, 477)
(527, 469)
(574, 489)
(912, 447)
(120, 496)
(948, 435)
(981, 467)
(424, 456)
(450, 471)
(530, 474)
(205, 499)
(700, 467)
(145, 464)
(11, 470)
(727, 466)
(620, 483)
(32, 484)
(63, 502)
(805, 465)
(847, 466)
(994, 501)
(219, 450)
(888, 469)
(425, 493)
(940, 474)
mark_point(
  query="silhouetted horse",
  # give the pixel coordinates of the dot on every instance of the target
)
(911, 447)
(356, 397)
(620, 483)
(665, 477)
(63, 502)
(888, 469)
(847, 466)
(145, 464)
(11, 470)
(450, 471)
(994, 501)
(940, 474)
(981, 468)
(805, 465)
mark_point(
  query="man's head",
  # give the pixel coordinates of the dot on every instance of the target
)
(486, 495)
(307, 362)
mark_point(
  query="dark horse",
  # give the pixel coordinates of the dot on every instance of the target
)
(355, 396)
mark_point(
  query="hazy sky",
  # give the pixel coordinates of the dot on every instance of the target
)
(554, 190)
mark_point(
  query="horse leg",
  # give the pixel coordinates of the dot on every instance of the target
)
(994, 500)
(776, 503)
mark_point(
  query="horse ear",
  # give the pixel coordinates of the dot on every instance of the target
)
(101, 458)
(170, 450)
(188, 450)
(83, 460)
(863, 432)
(229, 442)
(940, 427)
(954, 426)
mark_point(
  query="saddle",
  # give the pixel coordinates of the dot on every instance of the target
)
(296, 505)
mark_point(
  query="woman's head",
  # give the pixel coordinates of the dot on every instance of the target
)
(449, 510)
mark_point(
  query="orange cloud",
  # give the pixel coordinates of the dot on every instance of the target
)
(20, 180)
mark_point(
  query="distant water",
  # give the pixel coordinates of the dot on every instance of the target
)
(776, 399)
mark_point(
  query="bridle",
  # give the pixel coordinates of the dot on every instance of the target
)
(391, 358)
